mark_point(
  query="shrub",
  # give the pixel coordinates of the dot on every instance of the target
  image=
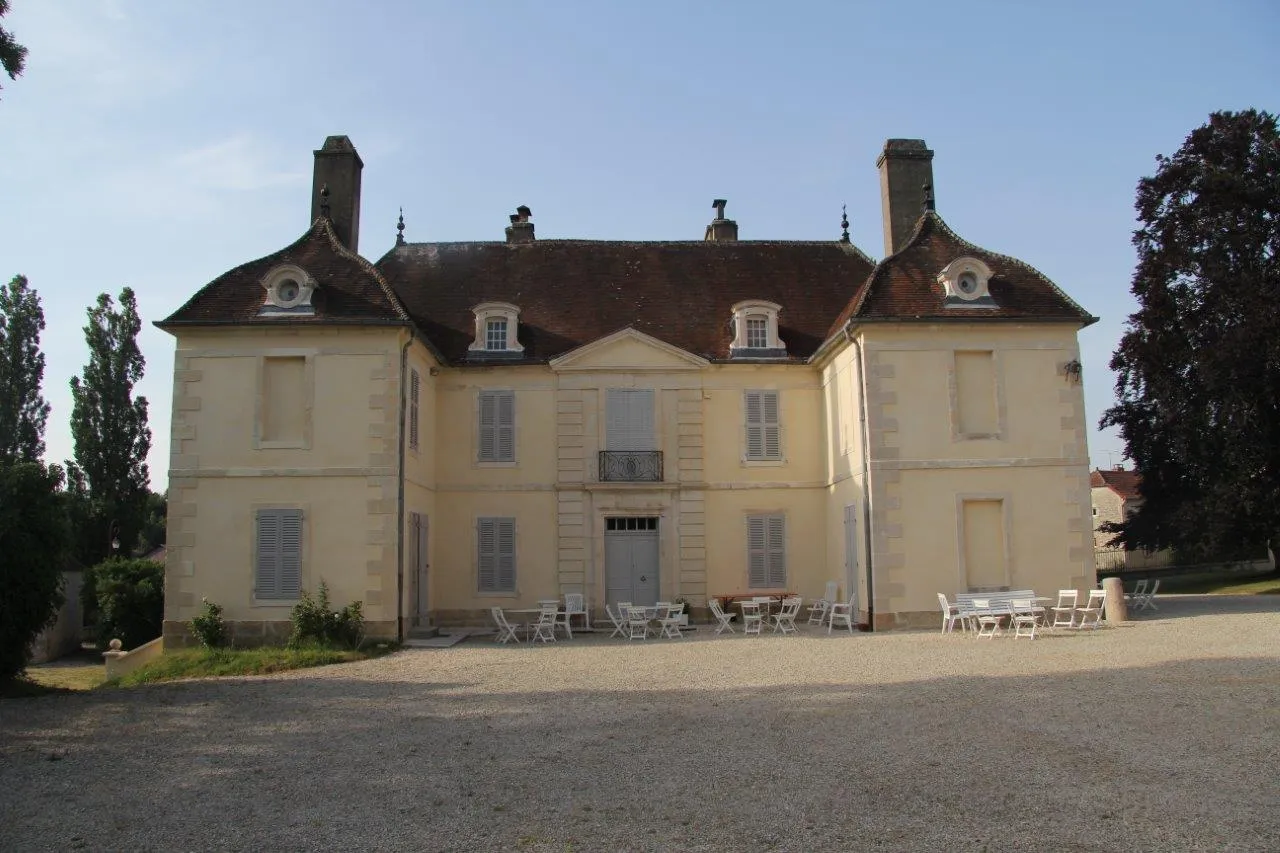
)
(32, 532)
(209, 627)
(315, 621)
(129, 595)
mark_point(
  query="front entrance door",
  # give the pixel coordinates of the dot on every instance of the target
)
(631, 560)
(418, 552)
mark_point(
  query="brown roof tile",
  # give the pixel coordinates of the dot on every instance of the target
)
(348, 288)
(905, 285)
(1124, 483)
(571, 292)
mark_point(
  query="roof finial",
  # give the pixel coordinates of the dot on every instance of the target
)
(324, 201)
(400, 229)
(929, 203)
(844, 224)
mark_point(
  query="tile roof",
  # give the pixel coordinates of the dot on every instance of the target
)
(904, 286)
(571, 292)
(1123, 482)
(348, 288)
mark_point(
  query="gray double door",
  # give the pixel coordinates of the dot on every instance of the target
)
(631, 560)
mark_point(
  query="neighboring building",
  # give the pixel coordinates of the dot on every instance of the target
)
(465, 425)
(1115, 497)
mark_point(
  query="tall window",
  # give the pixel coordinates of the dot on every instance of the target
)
(496, 554)
(757, 333)
(497, 440)
(414, 388)
(278, 554)
(629, 419)
(495, 335)
(764, 432)
(766, 552)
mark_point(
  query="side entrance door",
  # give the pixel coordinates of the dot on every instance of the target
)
(631, 560)
(418, 605)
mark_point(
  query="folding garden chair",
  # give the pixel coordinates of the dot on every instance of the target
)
(1139, 589)
(752, 621)
(841, 612)
(671, 621)
(1090, 616)
(506, 631)
(575, 604)
(1024, 618)
(785, 619)
(988, 622)
(951, 614)
(818, 610)
(722, 619)
(637, 623)
(619, 621)
(1064, 612)
(544, 630)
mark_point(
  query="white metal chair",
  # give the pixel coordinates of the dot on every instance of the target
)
(637, 623)
(671, 621)
(842, 612)
(561, 619)
(1139, 590)
(619, 621)
(575, 604)
(544, 630)
(752, 620)
(988, 622)
(506, 631)
(722, 619)
(785, 619)
(1090, 616)
(818, 610)
(1024, 617)
(1064, 612)
(1147, 599)
(951, 614)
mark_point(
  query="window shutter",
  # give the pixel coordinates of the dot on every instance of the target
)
(505, 429)
(757, 575)
(777, 556)
(506, 573)
(629, 419)
(278, 573)
(414, 386)
(290, 553)
(764, 436)
(487, 553)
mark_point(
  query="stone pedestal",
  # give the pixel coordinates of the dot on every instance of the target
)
(1116, 609)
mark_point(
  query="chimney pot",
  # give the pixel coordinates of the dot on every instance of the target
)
(721, 230)
(521, 229)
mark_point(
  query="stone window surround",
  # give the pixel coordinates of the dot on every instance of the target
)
(953, 391)
(949, 278)
(487, 311)
(260, 403)
(755, 309)
(277, 277)
(1006, 508)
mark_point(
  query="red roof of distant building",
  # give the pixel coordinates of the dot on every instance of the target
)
(1121, 481)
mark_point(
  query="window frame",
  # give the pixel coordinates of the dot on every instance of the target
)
(763, 424)
(480, 553)
(497, 459)
(486, 311)
(772, 549)
(755, 309)
(280, 597)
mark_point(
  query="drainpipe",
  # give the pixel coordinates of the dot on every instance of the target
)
(404, 404)
(866, 475)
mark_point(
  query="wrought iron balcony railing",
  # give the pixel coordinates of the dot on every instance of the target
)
(630, 466)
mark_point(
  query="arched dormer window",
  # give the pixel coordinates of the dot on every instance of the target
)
(288, 291)
(496, 327)
(755, 330)
(964, 281)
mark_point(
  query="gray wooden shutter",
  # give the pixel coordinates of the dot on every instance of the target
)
(506, 574)
(414, 387)
(757, 573)
(764, 436)
(278, 572)
(776, 555)
(496, 554)
(629, 419)
(497, 426)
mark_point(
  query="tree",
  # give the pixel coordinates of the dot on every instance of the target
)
(13, 56)
(23, 412)
(109, 425)
(31, 541)
(1198, 368)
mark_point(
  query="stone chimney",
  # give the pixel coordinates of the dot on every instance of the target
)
(521, 229)
(721, 230)
(906, 189)
(338, 168)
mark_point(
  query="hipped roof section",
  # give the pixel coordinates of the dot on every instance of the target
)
(349, 290)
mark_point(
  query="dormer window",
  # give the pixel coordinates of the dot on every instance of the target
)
(964, 282)
(496, 326)
(288, 291)
(755, 331)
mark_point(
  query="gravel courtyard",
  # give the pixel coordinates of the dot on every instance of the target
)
(1163, 734)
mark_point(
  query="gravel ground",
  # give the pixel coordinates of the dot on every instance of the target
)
(1162, 734)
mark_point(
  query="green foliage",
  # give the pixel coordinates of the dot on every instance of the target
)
(208, 627)
(129, 596)
(152, 534)
(315, 621)
(23, 411)
(32, 532)
(109, 424)
(1198, 369)
(13, 56)
(211, 663)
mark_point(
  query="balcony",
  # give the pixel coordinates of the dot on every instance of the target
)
(630, 466)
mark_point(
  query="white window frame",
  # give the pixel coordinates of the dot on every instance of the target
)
(771, 550)
(497, 458)
(487, 311)
(764, 425)
(756, 309)
(949, 278)
(274, 303)
(495, 523)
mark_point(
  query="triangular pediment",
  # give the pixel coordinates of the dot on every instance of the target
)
(631, 351)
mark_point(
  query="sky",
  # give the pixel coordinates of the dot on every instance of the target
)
(156, 144)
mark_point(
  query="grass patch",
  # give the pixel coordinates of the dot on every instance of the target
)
(83, 677)
(214, 663)
(1223, 583)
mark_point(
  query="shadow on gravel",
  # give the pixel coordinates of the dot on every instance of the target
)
(1176, 757)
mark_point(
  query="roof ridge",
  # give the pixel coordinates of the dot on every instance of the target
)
(327, 227)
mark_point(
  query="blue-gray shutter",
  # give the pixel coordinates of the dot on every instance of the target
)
(764, 434)
(496, 554)
(415, 384)
(497, 426)
(278, 573)
(629, 419)
(766, 552)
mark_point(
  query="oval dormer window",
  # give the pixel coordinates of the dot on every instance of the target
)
(964, 284)
(288, 291)
(968, 282)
